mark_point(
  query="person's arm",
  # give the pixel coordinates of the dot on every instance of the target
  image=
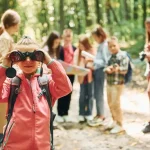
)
(102, 62)
(4, 85)
(59, 84)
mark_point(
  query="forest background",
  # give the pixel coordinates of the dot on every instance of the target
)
(121, 18)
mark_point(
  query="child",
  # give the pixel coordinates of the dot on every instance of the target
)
(52, 45)
(10, 25)
(67, 55)
(29, 127)
(86, 82)
(100, 62)
(116, 70)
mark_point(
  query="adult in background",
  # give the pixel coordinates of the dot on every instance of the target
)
(67, 55)
(10, 21)
(100, 63)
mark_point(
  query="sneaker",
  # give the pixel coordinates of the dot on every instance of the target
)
(146, 128)
(81, 118)
(89, 118)
(116, 129)
(67, 118)
(59, 119)
(110, 125)
(96, 121)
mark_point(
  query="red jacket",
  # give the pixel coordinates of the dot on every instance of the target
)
(29, 125)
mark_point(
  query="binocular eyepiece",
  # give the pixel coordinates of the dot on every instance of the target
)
(17, 56)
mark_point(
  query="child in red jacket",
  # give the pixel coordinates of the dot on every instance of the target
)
(29, 125)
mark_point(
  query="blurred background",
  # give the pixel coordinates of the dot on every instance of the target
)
(122, 18)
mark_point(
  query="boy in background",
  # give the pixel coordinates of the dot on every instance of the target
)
(116, 70)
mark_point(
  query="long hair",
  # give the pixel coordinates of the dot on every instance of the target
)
(50, 42)
(86, 43)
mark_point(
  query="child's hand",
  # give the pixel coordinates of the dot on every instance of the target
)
(116, 68)
(6, 60)
(109, 70)
(47, 58)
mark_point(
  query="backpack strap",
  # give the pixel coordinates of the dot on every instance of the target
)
(14, 90)
(43, 83)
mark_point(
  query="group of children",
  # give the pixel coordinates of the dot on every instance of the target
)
(31, 113)
(108, 59)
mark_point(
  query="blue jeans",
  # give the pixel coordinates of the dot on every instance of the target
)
(86, 99)
(99, 78)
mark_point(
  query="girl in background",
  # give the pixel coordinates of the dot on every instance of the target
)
(66, 55)
(10, 21)
(52, 45)
(86, 82)
(100, 62)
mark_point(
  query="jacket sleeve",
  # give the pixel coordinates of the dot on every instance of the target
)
(60, 84)
(4, 86)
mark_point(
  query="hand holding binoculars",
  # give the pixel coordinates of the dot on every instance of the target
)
(17, 56)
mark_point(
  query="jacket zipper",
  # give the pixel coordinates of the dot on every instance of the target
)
(8, 134)
(34, 111)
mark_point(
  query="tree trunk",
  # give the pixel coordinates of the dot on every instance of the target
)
(108, 12)
(111, 8)
(127, 16)
(86, 12)
(144, 12)
(61, 11)
(97, 11)
(135, 10)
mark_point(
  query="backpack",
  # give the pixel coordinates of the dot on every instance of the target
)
(128, 75)
(14, 90)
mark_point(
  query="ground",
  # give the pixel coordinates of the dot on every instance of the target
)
(136, 111)
(75, 136)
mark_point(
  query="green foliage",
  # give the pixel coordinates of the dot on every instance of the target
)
(123, 19)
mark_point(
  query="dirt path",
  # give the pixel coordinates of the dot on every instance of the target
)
(75, 136)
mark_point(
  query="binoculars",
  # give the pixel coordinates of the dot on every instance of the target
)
(142, 55)
(17, 56)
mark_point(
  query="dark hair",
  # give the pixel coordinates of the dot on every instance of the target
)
(10, 18)
(98, 31)
(50, 42)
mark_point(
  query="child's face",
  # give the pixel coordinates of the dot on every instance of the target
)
(56, 43)
(113, 46)
(97, 39)
(28, 66)
(67, 39)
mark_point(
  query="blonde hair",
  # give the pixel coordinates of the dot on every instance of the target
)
(113, 38)
(67, 32)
